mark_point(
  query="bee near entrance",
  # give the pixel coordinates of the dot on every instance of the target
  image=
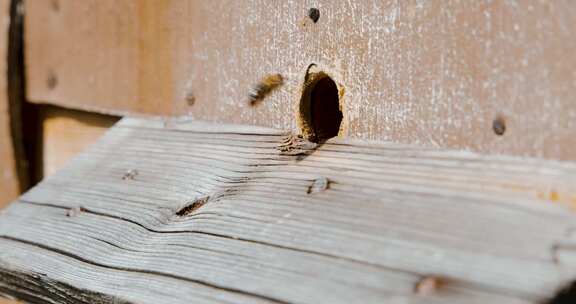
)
(320, 109)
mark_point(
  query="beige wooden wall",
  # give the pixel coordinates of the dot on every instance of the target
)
(437, 73)
(434, 73)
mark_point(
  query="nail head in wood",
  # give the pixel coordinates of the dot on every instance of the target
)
(314, 14)
(55, 5)
(190, 99)
(52, 81)
(130, 174)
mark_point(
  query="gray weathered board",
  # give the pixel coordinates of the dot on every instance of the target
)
(286, 222)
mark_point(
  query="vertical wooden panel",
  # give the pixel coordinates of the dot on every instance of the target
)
(9, 184)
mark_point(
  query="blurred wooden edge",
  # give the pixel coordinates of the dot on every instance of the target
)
(9, 183)
(8, 300)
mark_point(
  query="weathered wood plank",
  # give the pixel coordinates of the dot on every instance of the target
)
(178, 212)
(433, 73)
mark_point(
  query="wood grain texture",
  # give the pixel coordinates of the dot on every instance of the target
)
(433, 73)
(189, 212)
(9, 183)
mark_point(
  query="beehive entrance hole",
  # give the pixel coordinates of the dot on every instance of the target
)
(320, 108)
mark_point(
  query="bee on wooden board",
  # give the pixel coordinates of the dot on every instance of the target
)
(265, 87)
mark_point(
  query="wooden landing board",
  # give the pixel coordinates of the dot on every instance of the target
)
(189, 212)
(433, 73)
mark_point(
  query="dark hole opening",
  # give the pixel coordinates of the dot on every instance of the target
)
(325, 110)
(499, 126)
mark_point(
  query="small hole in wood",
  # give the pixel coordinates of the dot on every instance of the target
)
(314, 14)
(499, 126)
(320, 108)
(55, 5)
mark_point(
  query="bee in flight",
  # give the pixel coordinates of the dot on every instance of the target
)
(265, 87)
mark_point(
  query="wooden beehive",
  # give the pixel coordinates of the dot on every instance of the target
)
(294, 152)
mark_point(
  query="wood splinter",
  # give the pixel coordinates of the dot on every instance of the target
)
(319, 185)
(295, 145)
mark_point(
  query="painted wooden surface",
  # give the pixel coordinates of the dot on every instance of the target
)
(433, 73)
(189, 212)
(9, 184)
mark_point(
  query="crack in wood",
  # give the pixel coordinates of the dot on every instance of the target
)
(148, 272)
(229, 238)
(191, 207)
